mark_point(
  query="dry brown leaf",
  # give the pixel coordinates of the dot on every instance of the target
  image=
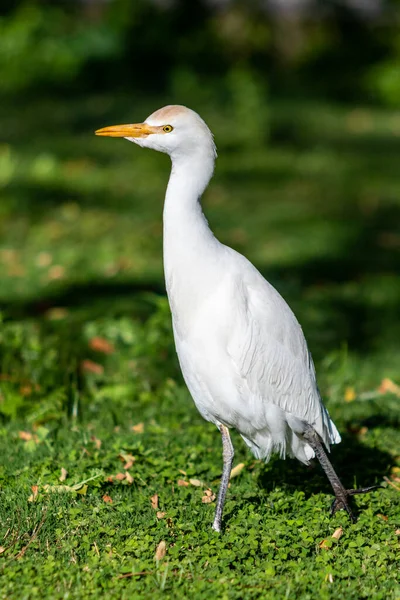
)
(120, 476)
(337, 534)
(183, 483)
(129, 477)
(161, 550)
(35, 491)
(160, 514)
(183, 472)
(384, 517)
(208, 497)
(396, 487)
(44, 259)
(397, 532)
(133, 574)
(89, 366)
(139, 428)
(96, 442)
(196, 482)
(128, 459)
(56, 272)
(107, 499)
(357, 430)
(2, 549)
(154, 501)
(64, 474)
(25, 390)
(99, 344)
(25, 435)
(236, 470)
(389, 386)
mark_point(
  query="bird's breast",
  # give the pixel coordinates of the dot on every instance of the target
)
(195, 287)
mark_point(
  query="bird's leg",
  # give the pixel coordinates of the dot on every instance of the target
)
(227, 455)
(342, 495)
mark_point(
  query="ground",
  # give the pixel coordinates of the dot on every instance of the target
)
(108, 473)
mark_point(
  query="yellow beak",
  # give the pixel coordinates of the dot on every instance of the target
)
(137, 130)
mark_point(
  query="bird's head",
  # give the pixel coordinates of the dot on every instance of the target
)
(175, 130)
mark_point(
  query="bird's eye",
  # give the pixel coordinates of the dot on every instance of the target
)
(167, 128)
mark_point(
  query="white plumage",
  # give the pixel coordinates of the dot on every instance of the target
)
(241, 349)
(245, 359)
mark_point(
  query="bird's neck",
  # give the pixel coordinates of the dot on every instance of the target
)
(185, 225)
(188, 239)
(189, 178)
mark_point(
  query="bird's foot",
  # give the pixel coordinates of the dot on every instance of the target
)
(341, 501)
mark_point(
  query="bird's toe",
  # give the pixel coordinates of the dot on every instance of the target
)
(341, 503)
(363, 490)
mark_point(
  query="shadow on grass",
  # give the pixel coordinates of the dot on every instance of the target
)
(356, 318)
(373, 248)
(356, 464)
(95, 297)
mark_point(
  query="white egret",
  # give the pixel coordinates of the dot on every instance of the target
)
(242, 351)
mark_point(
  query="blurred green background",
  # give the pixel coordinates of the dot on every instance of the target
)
(303, 100)
(303, 97)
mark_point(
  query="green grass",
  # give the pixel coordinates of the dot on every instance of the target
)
(316, 207)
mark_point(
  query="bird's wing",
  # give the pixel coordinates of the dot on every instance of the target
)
(269, 351)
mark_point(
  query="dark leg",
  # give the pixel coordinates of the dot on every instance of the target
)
(227, 455)
(342, 495)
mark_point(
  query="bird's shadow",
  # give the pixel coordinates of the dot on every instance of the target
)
(356, 464)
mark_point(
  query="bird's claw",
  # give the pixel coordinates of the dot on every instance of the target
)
(341, 501)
